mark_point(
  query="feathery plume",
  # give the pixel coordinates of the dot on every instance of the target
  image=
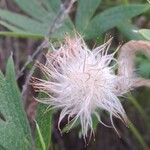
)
(80, 81)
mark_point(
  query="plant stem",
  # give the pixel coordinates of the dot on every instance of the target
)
(138, 136)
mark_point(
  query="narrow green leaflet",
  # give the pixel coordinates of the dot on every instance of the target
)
(112, 17)
(10, 27)
(33, 29)
(23, 22)
(70, 126)
(24, 26)
(52, 5)
(130, 31)
(55, 5)
(14, 129)
(85, 11)
(43, 130)
(18, 32)
(41, 140)
(22, 35)
(32, 8)
(47, 5)
(145, 33)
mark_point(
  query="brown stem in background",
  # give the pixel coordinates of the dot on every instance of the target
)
(126, 61)
(45, 44)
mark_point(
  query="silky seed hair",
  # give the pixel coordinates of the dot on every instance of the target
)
(80, 82)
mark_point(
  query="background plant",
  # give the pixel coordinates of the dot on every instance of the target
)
(33, 22)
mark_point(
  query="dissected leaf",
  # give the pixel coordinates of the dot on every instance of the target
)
(10, 27)
(22, 22)
(24, 26)
(85, 11)
(33, 8)
(112, 17)
(47, 5)
(15, 132)
(55, 5)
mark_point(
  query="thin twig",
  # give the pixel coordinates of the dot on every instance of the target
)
(56, 23)
(63, 12)
(27, 80)
(45, 44)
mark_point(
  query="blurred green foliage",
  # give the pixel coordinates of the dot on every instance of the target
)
(92, 21)
(14, 128)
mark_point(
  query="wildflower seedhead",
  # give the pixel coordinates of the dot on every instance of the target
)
(81, 82)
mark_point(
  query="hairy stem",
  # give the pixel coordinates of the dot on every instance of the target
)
(126, 61)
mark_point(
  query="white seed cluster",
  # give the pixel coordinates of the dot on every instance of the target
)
(81, 81)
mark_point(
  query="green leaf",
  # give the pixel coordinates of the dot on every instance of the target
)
(47, 4)
(85, 11)
(33, 28)
(55, 5)
(22, 22)
(145, 33)
(144, 68)
(70, 126)
(22, 35)
(15, 132)
(44, 121)
(43, 146)
(2, 148)
(10, 27)
(130, 31)
(95, 122)
(52, 5)
(112, 17)
(33, 8)
(26, 27)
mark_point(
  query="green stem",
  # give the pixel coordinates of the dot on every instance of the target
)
(138, 107)
(138, 136)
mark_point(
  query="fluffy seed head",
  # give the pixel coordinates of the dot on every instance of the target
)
(81, 82)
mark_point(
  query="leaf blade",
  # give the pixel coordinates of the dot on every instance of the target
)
(33, 8)
(85, 11)
(145, 33)
(112, 17)
(22, 22)
(130, 31)
(44, 121)
(12, 109)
